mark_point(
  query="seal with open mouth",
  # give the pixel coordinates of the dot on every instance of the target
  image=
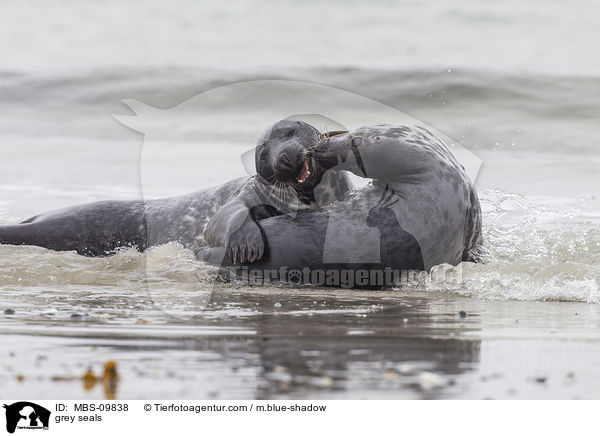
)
(288, 176)
(421, 202)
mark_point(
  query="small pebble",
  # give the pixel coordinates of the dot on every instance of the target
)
(430, 380)
(61, 378)
(9, 312)
(76, 316)
(389, 374)
(404, 368)
(462, 314)
(277, 305)
(541, 379)
(268, 366)
(322, 382)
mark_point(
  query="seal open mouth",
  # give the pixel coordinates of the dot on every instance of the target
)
(304, 172)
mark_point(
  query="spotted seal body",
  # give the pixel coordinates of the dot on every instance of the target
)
(437, 202)
(420, 211)
(101, 228)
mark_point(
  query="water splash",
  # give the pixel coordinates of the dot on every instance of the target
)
(536, 253)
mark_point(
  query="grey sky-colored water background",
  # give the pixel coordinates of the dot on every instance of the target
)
(515, 83)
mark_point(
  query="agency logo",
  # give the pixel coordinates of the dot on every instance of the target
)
(26, 416)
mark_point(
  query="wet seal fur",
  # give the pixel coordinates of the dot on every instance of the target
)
(421, 200)
(223, 216)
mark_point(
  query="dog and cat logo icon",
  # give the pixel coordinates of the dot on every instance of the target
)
(26, 415)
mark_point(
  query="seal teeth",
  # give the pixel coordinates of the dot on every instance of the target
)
(304, 173)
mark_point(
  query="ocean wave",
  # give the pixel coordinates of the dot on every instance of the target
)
(482, 110)
(165, 87)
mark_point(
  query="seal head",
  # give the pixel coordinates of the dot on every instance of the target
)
(284, 157)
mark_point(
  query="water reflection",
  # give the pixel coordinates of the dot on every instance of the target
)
(347, 344)
(259, 343)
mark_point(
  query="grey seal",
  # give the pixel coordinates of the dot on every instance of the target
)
(421, 201)
(287, 180)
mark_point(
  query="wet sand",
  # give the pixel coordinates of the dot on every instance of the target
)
(280, 343)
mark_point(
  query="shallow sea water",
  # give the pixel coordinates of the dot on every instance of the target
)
(526, 104)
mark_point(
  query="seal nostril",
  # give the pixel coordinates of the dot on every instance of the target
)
(288, 163)
(284, 162)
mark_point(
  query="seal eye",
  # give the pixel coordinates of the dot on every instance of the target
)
(290, 133)
(356, 141)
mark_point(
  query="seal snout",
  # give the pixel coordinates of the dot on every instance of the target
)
(285, 155)
(292, 165)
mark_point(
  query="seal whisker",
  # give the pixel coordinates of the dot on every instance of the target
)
(290, 198)
(269, 196)
(284, 196)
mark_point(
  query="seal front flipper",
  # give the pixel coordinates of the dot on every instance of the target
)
(246, 243)
(234, 227)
